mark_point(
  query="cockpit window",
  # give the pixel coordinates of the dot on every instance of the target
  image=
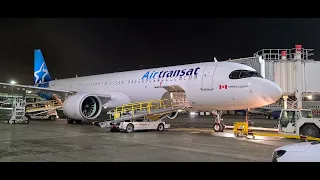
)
(240, 74)
(235, 74)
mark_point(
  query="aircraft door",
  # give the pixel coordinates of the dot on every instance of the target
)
(207, 77)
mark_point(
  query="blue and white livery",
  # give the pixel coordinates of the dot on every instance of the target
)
(204, 86)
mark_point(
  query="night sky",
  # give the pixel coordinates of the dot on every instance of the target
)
(96, 46)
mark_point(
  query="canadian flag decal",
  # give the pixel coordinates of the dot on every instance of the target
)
(223, 86)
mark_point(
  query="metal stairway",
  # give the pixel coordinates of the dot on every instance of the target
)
(152, 110)
(18, 111)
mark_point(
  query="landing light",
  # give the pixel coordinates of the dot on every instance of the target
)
(309, 97)
(13, 82)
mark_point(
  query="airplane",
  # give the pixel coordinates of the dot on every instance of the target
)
(206, 86)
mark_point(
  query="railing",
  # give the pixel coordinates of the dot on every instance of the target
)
(147, 106)
(275, 54)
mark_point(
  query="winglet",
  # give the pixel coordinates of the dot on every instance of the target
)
(215, 59)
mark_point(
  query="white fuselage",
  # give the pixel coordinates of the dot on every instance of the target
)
(201, 85)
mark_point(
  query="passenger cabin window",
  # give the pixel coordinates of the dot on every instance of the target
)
(240, 74)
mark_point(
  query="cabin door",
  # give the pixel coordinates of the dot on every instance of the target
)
(207, 78)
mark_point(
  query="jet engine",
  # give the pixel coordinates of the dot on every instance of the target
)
(173, 115)
(82, 107)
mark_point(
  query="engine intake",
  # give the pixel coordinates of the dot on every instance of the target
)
(82, 107)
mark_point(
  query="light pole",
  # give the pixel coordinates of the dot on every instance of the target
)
(12, 82)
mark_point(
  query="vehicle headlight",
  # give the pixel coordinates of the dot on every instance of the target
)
(280, 153)
(277, 154)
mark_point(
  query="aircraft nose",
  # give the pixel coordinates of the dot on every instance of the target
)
(274, 91)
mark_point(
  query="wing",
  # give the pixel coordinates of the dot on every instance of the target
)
(35, 89)
(60, 93)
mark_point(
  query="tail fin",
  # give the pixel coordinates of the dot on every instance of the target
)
(41, 73)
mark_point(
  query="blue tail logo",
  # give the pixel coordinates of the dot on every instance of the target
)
(41, 73)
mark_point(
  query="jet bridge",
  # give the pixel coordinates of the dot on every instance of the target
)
(294, 70)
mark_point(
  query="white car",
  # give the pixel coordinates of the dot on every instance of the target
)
(143, 125)
(51, 115)
(298, 152)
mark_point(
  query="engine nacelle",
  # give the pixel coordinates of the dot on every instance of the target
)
(173, 115)
(82, 107)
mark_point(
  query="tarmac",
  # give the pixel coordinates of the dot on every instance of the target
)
(191, 139)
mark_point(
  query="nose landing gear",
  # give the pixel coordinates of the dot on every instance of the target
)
(218, 125)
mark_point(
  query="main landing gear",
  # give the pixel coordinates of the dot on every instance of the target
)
(218, 125)
(71, 121)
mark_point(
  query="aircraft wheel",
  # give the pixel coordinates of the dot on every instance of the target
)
(223, 127)
(78, 121)
(70, 121)
(217, 127)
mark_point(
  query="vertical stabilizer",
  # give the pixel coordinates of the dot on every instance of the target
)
(41, 73)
